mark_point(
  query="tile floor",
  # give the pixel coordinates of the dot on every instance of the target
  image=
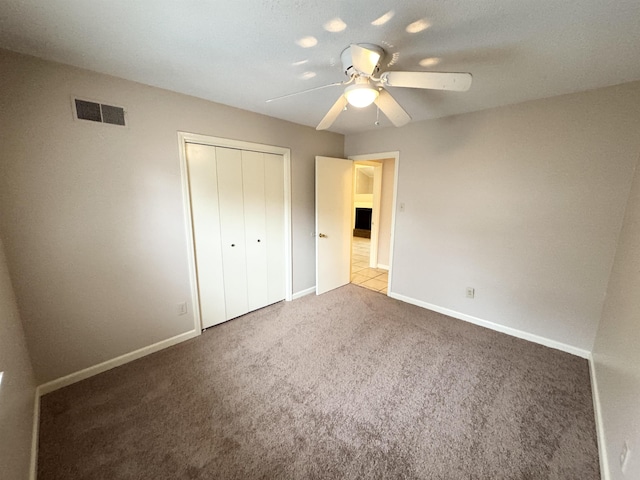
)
(374, 279)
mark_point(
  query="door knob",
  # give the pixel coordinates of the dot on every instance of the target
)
(322, 235)
(233, 244)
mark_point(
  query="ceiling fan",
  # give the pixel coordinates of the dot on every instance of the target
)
(361, 63)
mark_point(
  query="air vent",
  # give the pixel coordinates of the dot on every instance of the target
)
(97, 112)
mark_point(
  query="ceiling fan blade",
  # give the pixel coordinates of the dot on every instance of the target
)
(392, 109)
(458, 82)
(364, 60)
(332, 114)
(335, 84)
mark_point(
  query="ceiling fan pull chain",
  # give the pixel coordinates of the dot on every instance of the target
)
(377, 124)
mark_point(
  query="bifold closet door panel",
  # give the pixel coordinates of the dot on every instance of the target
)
(255, 228)
(234, 260)
(274, 197)
(203, 180)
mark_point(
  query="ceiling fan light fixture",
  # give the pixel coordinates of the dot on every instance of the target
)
(361, 95)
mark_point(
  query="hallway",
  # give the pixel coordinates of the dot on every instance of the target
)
(362, 275)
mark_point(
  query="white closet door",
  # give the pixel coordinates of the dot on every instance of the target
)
(232, 231)
(203, 180)
(274, 196)
(253, 169)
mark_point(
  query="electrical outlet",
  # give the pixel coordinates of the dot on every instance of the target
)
(182, 308)
(624, 455)
(471, 292)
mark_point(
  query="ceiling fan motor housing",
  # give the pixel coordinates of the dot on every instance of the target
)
(347, 61)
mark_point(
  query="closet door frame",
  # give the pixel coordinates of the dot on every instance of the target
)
(183, 139)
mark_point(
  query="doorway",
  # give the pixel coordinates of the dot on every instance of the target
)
(373, 198)
(335, 224)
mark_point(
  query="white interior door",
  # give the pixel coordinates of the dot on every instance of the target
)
(274, 199)
(232, 231)
(334, 197)
(203, 181)
(255, 228)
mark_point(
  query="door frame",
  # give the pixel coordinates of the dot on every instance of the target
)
(381, 156)
(183, 139)
(376, 205)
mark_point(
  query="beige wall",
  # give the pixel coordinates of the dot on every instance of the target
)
(616, 352)
(524, 203)
(18, 387)
(92, 215)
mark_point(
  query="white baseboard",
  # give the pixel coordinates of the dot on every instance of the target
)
(114, 362)
(602, 451)
(383, 267)
(302, 293)
(33, 463)
(514, 332)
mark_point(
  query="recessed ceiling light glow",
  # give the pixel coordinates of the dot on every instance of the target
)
(418, 26)
(334, 26)
(307, 75)
(300, 62)
(429, 62)
(307, 42)
(383, 19)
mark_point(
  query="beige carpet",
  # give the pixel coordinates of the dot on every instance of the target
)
(350, 384)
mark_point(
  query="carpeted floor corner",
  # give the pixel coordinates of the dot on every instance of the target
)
(347, 385)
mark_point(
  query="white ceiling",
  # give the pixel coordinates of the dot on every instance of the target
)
(243, 52)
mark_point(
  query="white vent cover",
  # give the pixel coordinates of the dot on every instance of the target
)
(97, 112)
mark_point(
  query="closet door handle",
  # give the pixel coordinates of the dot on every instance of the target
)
(233, 244)
(258, 240)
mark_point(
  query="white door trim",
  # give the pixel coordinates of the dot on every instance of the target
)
(380, 156)
(375, 218)
(375, 207)
(183, 139)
